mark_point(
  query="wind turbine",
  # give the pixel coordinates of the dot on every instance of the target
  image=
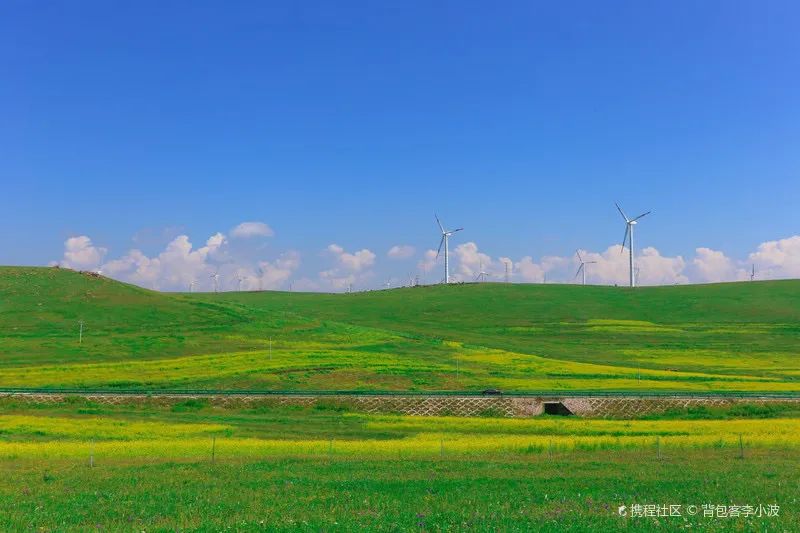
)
(191, 285)
(215, 277)
(445, 241)
(482, 275)
(629, 224)
(582, 268)
(753, 273)
(260, 278)
(239, 280)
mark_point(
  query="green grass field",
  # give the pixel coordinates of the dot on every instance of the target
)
(725, 337)
(80, 466)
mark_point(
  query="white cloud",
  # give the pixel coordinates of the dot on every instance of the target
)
(777, 259)
(469, 261)
(174, 268)
(179, 264)
(349, 269)
(612, 267)
(710, 266)
(656, 269)
(275, 274)
(81, 254)
(528, 270)
(246, 230)
(428, 261)
(353, 262)
(401, 251)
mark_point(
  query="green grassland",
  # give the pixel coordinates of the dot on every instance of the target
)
(140, 466)
(724, 337)
(192, 466)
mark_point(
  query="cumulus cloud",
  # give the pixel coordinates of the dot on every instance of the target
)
(349, 268)
(180, 264)
(81, 254)
(428, 261)
(710, 266)
(275, 274)
(528, 270)
(656, 269)
(777, 259)
(353, 262)
(173, 268)
(401, 251)
(470, 261)
(246, 230)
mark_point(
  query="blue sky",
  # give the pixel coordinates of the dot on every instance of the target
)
(352, 123)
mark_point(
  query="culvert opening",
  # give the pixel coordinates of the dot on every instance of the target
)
(556, 408)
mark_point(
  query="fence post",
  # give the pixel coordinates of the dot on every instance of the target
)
(658, 446)
(91, 454)
(550, 449)
(441, 448)
(213, 449)
(741, 447)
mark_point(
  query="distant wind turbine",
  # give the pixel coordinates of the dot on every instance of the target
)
(482, 275)
(582, 268)
(629, 224)
(260, 278)
(215, 277)
(191, 285)
(445, 242)
(239, 279)
(753, 273)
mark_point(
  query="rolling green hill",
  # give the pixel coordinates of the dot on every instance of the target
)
(737, 336)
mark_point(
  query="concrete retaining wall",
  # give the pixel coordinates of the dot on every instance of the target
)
(431, 405)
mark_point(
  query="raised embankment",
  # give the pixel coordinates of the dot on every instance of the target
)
(424, 404)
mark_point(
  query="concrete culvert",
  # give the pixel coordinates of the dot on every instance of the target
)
(556, 408)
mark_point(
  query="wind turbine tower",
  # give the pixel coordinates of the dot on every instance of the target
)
(215, 277)
(191, 285)
(753, 273)
(582, 268)
(482, 275)
(445, 242)
(629, 224)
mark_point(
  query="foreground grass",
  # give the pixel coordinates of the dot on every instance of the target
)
(80, 465)
(575, 492)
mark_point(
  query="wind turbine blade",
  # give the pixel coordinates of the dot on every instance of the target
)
(579, 256)
(455, 230)
(590, 263)
(578, 271)
(625, 238)
(640, 216)
(440, 247)
(621, 213)
(439, 222)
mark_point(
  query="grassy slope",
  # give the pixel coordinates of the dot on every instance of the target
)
(729, 336)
